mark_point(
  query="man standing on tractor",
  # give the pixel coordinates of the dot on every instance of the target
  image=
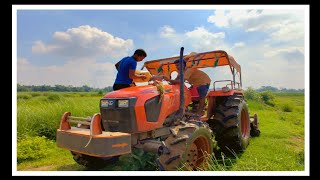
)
(196, 78)
(127, 70)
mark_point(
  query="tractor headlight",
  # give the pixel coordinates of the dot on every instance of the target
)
(123, 103)
(104, 103)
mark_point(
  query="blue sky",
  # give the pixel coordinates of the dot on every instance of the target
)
(80, 47)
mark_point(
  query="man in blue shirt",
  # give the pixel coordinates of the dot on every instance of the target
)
(127, 69)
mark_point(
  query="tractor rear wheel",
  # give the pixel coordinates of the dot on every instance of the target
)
(92, 162)
(187, 147)
(231, 125)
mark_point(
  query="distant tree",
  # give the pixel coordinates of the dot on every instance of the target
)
(57, 88)
(268, 88)
(108, 89)
(60, 88)
(86, 88)
(22, 88)
(274, 89)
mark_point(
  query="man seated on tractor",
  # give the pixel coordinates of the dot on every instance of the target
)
(197, 78)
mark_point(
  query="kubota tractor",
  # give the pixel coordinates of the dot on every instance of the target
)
(157, 118)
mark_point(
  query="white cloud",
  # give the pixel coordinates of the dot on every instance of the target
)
(276, 72)
(238, 45)
(167, 31)
(62, 36)
(84, 41)
(224, 18)
(199, 39)
(282, 25)
(88, 72)
(290, 53)
(169, 36)
(220, 19)
(203, 34)
(289, 31)
(40, 48)
(268, 66)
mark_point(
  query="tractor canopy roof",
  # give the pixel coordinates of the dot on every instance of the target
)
(194, 60)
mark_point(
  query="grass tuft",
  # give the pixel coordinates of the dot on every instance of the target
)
(287, 108)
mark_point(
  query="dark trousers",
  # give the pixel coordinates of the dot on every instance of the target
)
(120, 86)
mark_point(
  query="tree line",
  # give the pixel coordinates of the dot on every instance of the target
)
(274, 89)
(61, 88)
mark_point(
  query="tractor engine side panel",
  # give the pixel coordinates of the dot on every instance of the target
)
(169, 104)
(153, 107)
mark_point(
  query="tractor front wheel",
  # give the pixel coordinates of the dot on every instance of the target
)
(188, 148)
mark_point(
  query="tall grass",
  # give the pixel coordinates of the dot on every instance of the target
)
(213, 162)
(40, 115)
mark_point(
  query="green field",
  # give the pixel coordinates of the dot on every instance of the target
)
(280, 146)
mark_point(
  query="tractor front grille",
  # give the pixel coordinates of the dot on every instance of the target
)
(118, 119)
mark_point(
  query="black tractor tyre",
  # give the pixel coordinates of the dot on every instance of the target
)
(92, 162)
(231, 125)
(187, 148)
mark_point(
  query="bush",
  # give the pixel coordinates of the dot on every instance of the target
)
(267, 97)
(251, 94)
(100, 93)
(32, 148)
(54, 97)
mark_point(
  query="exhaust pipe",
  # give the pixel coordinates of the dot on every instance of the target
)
(181, 72)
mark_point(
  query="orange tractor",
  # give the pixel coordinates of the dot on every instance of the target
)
(158, 118)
